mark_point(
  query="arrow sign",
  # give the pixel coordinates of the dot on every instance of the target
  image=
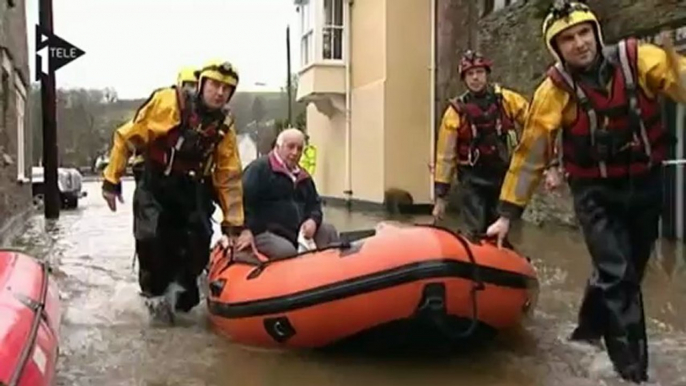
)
(59, 52)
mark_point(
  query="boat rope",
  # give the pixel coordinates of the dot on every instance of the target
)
(477, 285)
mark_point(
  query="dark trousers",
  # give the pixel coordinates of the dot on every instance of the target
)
(172, 228)
(620, 221)
(480, 195)
(478, 207)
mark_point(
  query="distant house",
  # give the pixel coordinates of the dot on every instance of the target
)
(15, 139)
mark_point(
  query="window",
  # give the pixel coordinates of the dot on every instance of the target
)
(306, 34)
(321, 30)
(21, 137)
(332, 31)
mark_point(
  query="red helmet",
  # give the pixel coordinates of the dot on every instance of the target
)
(472, 59)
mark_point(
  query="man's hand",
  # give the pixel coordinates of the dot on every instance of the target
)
(553, 179)
(225, 242)
(308, 228)
(243, 241)
(111, 199)
(439, 209)
(499, 228)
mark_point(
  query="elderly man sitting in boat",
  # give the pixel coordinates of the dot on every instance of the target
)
(282, 207)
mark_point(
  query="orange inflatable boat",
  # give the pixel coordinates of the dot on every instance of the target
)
(323, 297)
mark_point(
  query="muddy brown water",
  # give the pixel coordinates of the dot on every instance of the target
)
(106, 338)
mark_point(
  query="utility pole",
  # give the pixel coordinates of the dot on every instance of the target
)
(288, 80)
(48, 107)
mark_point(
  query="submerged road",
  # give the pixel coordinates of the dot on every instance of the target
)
(106, 338)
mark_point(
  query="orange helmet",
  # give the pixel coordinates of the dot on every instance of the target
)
(472, 59)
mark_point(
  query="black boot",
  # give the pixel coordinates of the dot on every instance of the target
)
(591, 317)
(628, 357)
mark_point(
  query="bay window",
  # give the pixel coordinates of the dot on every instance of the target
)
(321, 31)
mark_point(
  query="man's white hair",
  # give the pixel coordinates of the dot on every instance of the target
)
(290, 134)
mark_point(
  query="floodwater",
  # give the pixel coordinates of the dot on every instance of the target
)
(106, 338)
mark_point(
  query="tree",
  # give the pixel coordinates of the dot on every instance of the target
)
(86, 119)
(258, 111)
(299, 115)
(301, 120)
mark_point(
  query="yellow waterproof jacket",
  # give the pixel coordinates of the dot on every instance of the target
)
(136, 157)
(157, 116)
(552, 108)
(515, 106)
(308, 161)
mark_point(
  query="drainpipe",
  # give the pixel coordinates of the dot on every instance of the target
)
(680, 176)
(432, 96)
(347, 14)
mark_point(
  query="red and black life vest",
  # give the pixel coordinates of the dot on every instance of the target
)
(188, 148)
(616, 134)
(484, 129)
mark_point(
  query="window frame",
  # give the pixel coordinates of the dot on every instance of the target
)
(20, 110)
(333, 27)
(307, 33)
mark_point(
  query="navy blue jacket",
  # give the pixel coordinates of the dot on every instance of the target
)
(274, 202)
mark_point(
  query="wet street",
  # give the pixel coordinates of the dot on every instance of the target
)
(106, 338)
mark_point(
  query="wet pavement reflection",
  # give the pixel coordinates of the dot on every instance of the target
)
(106, 338)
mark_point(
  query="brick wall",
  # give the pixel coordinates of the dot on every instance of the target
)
(512, 38)
(15, 197)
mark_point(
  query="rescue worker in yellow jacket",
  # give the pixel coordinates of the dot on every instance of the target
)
(309, 157)
(185, 80)
(191, 156)
(478, 132)
(604, 99)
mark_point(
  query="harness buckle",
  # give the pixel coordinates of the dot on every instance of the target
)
(170, 163)
(473, 156)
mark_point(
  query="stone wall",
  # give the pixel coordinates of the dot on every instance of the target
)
(512, 38)
(15, 196)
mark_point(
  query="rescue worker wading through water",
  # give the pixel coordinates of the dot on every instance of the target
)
(191, 156)
(476, 138)
(185, 80)
(613, 144)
